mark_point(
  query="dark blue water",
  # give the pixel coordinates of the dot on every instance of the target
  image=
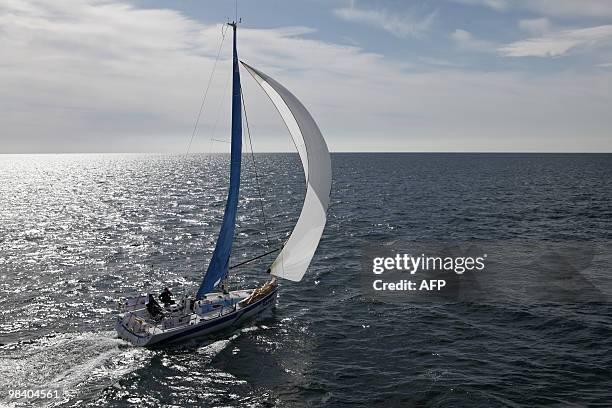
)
(79, 231)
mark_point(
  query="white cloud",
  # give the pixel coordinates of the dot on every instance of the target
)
(535, 26)
(567, 8)
(499, 5)
(403, 26)
(554, 8)
(80, 74)
(94, 76)
(559, 43)
(604, 65)
(439, 62)
(466, 41)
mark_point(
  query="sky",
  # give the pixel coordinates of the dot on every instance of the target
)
(411, 76)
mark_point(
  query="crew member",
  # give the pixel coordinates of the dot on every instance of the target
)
(166, 297)
(153, 308)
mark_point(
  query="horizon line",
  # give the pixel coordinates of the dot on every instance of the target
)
(331, 152)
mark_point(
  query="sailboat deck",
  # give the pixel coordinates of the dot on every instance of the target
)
(138, 319)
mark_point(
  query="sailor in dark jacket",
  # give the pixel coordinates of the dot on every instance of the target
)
(154, 308)
(166, 297)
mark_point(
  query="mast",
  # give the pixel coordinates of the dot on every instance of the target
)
(219, 262)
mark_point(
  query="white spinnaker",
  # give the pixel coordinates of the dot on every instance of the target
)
(294, 258)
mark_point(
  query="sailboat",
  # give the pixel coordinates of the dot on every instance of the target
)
(144, 322)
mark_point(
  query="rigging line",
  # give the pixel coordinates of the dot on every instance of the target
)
(256, 258)
(195, 126)
(246, 119)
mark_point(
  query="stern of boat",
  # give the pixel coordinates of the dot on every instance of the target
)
(133, 328)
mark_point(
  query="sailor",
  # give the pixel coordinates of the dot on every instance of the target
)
(224, 288)
(153, 308)
(166, 297)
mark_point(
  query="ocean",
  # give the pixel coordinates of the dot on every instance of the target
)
(78, 231)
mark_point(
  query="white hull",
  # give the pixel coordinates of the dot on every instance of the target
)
(145, 333)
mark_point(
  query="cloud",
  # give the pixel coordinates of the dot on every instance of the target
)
(401, 26)
(96, 75)
(554, 8)
(604, 65)
(439, 62)
(535, 26)
(106, 76)
(466, 41)
(499, 5)
(567, 8)
(559, 43)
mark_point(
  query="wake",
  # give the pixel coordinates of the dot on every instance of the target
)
(80, 364)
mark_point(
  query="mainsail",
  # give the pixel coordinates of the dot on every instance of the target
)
(293, 260)
(219, 263)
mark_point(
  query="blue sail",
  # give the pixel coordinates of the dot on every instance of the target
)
(219, 263)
